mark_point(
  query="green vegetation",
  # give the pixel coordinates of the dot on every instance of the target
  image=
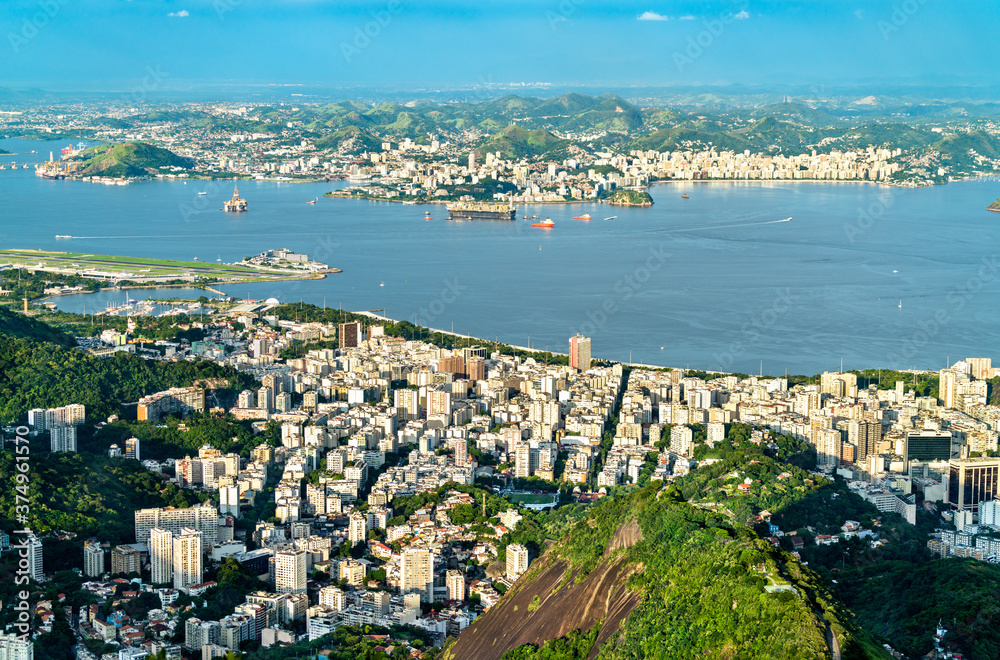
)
(700, 582)
(574, 646)
(44, 375)
(516, 142)
(169, 440)
(14, 324)
(627, 197)
(353, 643)
(130, 159)
(87, 494)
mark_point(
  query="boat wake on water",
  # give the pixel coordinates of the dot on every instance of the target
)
(732, 226)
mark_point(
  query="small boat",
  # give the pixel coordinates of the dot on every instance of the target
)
(203, 193)
(62, 236)
(611, 217)
(901, 304)
(585, 217)
(312, 201)
(196, 259)
(685, 196)
(381, 284)
(534, 217)
(544, 224)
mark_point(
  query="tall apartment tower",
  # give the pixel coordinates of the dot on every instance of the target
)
(418, 574)
(455, 582)
(187, 559)
(290, 571)
(161, 555)
(62, 437)
(93, 559)
(579, 352)
(517, 560)
(132, 449)
(350, 334)
(869, 435)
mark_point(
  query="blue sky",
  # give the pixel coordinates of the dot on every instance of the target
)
(195, 44)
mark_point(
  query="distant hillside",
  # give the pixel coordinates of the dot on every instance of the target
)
(994, 205)
(15, 324)
(129, 159)
(350, 139)
(646, 575)
(517, 142)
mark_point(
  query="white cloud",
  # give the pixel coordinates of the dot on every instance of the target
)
(179, 14)
(742, 16)
(652, 16)
(687, 17)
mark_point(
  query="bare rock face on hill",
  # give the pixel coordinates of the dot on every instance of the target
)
(647, 575)
(562, 606)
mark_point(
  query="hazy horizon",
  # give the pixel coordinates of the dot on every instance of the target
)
(203, 46)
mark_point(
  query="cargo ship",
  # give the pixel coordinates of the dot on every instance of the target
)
(481, 211)
(544, 224)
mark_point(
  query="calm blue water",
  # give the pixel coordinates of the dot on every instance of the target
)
(716, 280)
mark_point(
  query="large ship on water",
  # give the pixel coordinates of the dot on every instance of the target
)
(237, 204)
(482, 211)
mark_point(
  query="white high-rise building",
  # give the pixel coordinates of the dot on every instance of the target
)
(161, 555)
(93, 559)
(333, 597)
(187, 559)
(204, 518)
(13, 647)
(418, 573)
(455, 582)
(357, 531)
(62, 437)
(229, 501)
(290, 571)
(517, 560)
(716, 433)
(681, 438)
(35, 570)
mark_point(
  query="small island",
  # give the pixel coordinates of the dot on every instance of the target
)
(626, 197)
(994, 206)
